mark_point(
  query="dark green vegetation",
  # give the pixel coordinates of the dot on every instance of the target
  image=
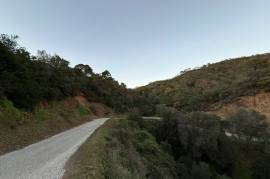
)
(19, 128)
(205, 147)
(38, 95)
(121, 149)
(195, 145)
(188, 143)
(28, 80)
(132, 152)
(221, 82)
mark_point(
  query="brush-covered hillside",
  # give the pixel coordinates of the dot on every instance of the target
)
(187, 141)
(41, 95)
(213, 84)
(28, 80)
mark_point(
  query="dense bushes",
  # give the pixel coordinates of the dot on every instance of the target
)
(132, 152)
(203, 146)
(249, 126)
(28, 80)
(8, 113)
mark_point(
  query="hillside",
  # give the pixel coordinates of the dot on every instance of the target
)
(214, 125)
(20, 128)
(28, 80)
(191, 146)
(42, 95)
(217, 83)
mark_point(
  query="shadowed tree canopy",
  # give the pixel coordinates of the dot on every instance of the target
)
(106, 74)
(86, 69)
(27, 81)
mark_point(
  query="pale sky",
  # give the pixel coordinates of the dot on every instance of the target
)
(140, 41)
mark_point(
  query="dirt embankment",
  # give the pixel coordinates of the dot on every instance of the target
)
(98, 109)
(47, 120)
(259, 102)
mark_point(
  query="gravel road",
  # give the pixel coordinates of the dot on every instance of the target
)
(46, 159)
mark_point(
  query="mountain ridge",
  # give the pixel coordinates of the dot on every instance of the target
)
(223, 81)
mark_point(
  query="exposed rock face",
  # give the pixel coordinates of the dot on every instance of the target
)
(259, 102)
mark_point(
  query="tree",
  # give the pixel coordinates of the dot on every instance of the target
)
(58, 62)
(123, 85)
(86, 69)
(43, 56)
(106, 74)
(201, 171)
(199, 134)
(9, 41)
(249, 126)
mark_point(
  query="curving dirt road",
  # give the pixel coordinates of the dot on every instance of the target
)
(46, 159)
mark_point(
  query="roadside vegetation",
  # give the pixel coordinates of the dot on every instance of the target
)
(121, 149)
(195, 145)
(19, 128)
(88, 161)
(204, 146)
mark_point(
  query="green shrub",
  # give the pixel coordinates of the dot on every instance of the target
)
(133, 152)
(145, 143)
(9, 113)
(134, 116)
(222, 177)
(83, 110)
(42, 114)
(249, 126)
(201, 171)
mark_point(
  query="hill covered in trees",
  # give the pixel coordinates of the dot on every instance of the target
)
(27, 80)
(222, 82)
(188, 142)
(200, 144)
(41, 95)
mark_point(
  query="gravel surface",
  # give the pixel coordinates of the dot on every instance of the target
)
(46, 159)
